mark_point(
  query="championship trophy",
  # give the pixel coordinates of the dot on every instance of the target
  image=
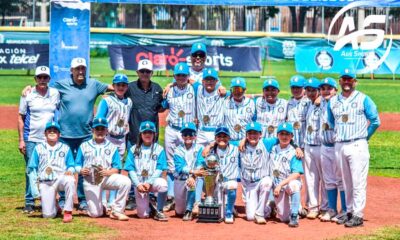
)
(209, 209)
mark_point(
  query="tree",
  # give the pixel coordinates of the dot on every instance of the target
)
(9, 7)
(298, 24)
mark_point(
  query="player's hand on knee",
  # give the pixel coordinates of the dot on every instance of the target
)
(299, 153)
(146, 187)
(277, 190)
(22, 147)
(85, 171)
(26, 91)
(191, 182)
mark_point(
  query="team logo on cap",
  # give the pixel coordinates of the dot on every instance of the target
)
(252, 125)
(209, 71)
(61, 154)
(237, 81)
(181, 67)
(186, 125)
(284, 125)
(107, 152)
(147, 125)
(269, 82)
(43, 68)
(198, 46)
(296, 79)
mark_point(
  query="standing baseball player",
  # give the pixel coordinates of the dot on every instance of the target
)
(181, 101)
(145, 163)
(52, 165)
(355, 118)
(297, 90)
(198, 57)
(189, 164)
(238, 110)
(35, 110)
(270, 110)
(286, 169)
(331, 172)
(98, 161)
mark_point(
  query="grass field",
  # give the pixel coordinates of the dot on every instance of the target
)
(384, 92)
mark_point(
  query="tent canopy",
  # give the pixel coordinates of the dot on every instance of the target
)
(329, 3)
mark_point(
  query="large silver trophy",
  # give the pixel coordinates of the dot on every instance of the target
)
(210, 210)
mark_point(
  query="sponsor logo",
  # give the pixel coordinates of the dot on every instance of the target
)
(288, 48)
(64, 46)
(145, 41)
(324, 60)
(217, 42)
(71, 21)
(17, 56)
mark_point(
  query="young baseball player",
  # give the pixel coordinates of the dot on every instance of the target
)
(270, 110)
(228, 155)
(52, 165)
(98, 161)
(116, 109)
(331, 172)
(238, 110)
(189, 164)
(297, 90)
(311, 115)
(182, 108)
(354, 117)
(286, 169)
(145, 163)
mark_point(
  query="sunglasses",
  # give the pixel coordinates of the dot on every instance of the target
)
(145, 71)
(42, 77)
(188, 134)
(180, 75)
(209, 79)
(200, 55)
(99, 128)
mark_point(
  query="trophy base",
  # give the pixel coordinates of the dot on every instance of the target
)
(210, 213)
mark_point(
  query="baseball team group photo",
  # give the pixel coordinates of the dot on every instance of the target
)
(117, 130)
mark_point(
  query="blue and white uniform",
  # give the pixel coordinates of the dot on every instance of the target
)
(147, 167)
(293, 117)
(270, 115)
(47, 166)
(106, 155)
(349, 117)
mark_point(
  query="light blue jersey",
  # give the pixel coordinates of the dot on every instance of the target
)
(270, 115)
(313, 122)
(349, 116)
(229, 159)
(188, 159)
(209, 109)
(327, 134)
(284, 163)
(293, 117)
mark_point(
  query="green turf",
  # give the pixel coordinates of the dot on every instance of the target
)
(384, 92)
(387, 233)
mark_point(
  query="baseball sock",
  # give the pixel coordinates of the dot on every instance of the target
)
(199, 188)
(343, 201)
(231, 202)
(161, 198)
(332, 198)
(294, 205)
(170, 182)
(191, 195)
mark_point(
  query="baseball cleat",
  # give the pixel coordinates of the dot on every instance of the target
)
(354, 222)
(118, 216)
(131, 204)
(229, 219)
(188, 216)
(67, 217)
(195, 210)
(328, 215)
(294, 221)
(160, 216)
(303, 213)
(338, 217)
(312, 215)
(345, 218)
(169, 205)
(83, 206)
(259, 219)
(28, 209)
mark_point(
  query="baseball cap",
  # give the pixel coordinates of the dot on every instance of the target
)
(42, 70)
(76, 62)
(181, 68)
(328, 81)
(199, 47)
(189, 126)
(347, 72)
(271, 83)
(145, 64)
(297, 81)
(210, 72)
(120, 78)
(238, 82)
(253, 126)
(52, 124)
(287, 127)
(222, 130)
(100, 122)
(312, 82)
(147, 126)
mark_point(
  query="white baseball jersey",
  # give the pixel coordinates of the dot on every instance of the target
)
(181, 104)
(270, 115)
(237, 116)
(38, 110)
(117, 112)
(284, 163)
(188, 159)
(327, 134)
(229, 162)
(293, 117)
(197, 76)
(104, 154)
(209, 108)
(313, 122)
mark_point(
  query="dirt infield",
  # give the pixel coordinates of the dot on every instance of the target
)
(379, 212)
(8, 119)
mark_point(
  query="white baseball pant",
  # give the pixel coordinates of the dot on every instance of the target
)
(172, 140)
(314, 180)
(180, 192)
(222, 196)
(354, 162)
(283, 200)
(48, 192)
(205, 137)
(120, 143)
(142, 199)
(331, 172)
(93, 194)
(256, 195)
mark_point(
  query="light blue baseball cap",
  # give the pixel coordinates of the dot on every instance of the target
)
(52, 124)
(271, 83)
(328, 81)
(287, 127)
(238, 82)
(312, 82)
(147, 126)
(189, 126)
(120, 78)
(199, 47)
(210, 72)
(100, 122)
(222, 129)
(181, 68)
(347, 72)
(253, 126)
(297, 81)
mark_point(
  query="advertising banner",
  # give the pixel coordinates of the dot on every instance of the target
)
(23, 56)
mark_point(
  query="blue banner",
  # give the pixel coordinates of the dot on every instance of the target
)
(23, 56)
(326, 60)
(238, 59)
(69, 36)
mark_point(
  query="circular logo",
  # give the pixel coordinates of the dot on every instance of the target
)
(248, 110)
(354, 105)
(284, 159)
(324, 60)
(371, 60)
(232, 160)
(61, 154)
(190, 96)
(258, 151)
(107, 152)
(280, 109)
(154, 157)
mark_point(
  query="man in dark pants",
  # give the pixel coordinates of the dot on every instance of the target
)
(146, 97)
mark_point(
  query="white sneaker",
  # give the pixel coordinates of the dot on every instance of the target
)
(259, 219)
(338, 217)
(328, 215)
(229, 220)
